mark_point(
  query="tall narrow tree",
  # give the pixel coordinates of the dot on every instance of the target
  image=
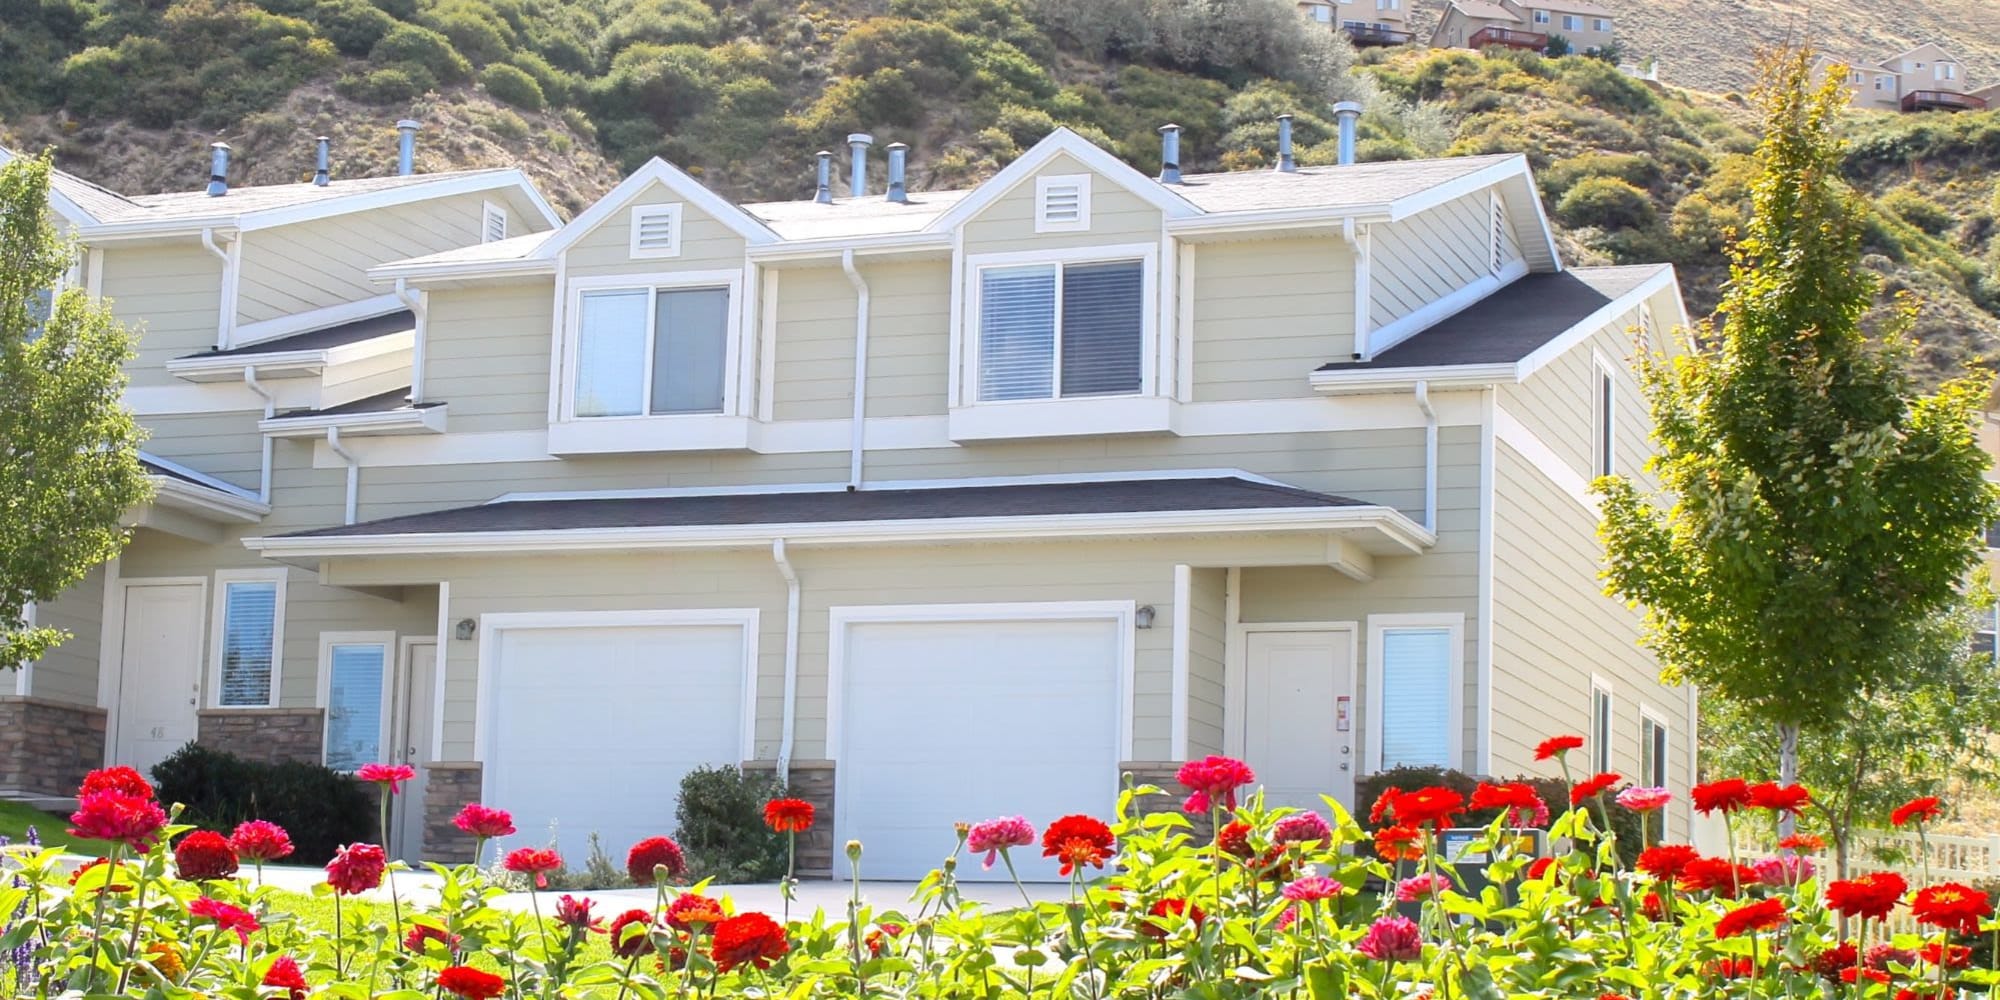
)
(69, 460)
(1824, 510)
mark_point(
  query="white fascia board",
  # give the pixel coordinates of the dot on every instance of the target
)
(1047, 479)
(1402, 379)
(460, 270)
(250, 334)
(406, 420)
(205, 502)
(1392, 533)
(674, 179)
(203, 478)
(1458, 187)
(289, 364)
(1596, 321)
(444, 187)
(861, 245)
(1062, 141)
(1278, 218)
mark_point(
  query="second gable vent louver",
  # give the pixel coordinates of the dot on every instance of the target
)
(656, 231)
(1498, 252)
(1062, 204)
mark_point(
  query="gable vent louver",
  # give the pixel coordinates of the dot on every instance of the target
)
(1498, 256)
(656, 231)
(493, 224)
(1062, 204)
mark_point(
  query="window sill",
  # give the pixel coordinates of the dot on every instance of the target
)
(620, 435)
(1086, 417)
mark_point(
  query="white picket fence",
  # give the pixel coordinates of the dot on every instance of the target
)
(1972, 860)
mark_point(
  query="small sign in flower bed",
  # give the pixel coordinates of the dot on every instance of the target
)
(1273, 905)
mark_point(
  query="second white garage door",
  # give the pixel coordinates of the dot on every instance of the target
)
(946, 721)
(591, 729)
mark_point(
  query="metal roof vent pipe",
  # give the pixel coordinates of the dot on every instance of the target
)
(899, 154)
(406, 147)
(825, 193)
(218, 169)
(1349, 115)
(1287, 163)
(1170, 154)
(857, 145)
(322, 161)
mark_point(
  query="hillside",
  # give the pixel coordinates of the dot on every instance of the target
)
(741, 92)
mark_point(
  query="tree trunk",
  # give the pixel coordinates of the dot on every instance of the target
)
(1788, 771)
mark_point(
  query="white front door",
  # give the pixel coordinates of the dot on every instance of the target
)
(159, 671)
(415, 699)
(1298, 715)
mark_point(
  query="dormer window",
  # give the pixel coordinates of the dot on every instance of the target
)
(492, 223)
(1055, 331)
(656, 231)
(1062, 204)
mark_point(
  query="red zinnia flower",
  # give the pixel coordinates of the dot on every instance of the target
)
(652, 853)
(1731, 968)
(1399, 843)
(1168, 912)
(627, 943)
(1855, 974)
(1591, 787)
(1556, 746)
(120, 779)
(1213, 780)
(356, 868)
(110, 814)
(788, 815)
(881, 936)
(468, 983)
(690, 912)
(1804, 843)
(1385, 806)
(1666, 861)
(226, 917)
(1653, 907)
(284, 973)
(536, 861)
(1510, 796)
(1078, 841)
(261, 840)
(1949, 956)
(1882, 954)
(204, 855)
(1830, 962)
(748, 939)
(1234, 840)
(1715, 875)
(1759, 916)
(1951, 905)
(392, 775)
(1921, 810)
(1780, 798)
(1540, 867)
(1869, 897)
(110, 875)
(1434, 806)
(574, 914)
(481, 821)
(421, 935)
(1728, 795)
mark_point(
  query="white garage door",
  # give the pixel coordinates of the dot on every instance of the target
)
(591, 729)
(942, 722)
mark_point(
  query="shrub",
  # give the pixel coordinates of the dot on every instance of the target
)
(1558, 47)
(721, 825)
(408, 45)
(1916, 210)
(353, 26)
(512, 85)
(390, 85)
(321, 808)
(1607, 203)
(1638, 171)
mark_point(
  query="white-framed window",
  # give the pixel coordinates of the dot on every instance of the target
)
(1066, 325)
(1062, 201)
(354, 675)
(1600, 24)
(1602, 706)
(658, 345)
(1947, 71)
(1882, 83)
(1416, 690)
(492, 222)
(656, 231)
(1653, 745)
(1388, 4)
(1604, 410)
(1541, 17)
(249, 638)
(1571, 22)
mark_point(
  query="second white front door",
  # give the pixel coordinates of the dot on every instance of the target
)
(1298, 715)
(159, 671)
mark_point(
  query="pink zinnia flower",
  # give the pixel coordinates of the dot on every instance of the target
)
(1392, 939)
(1312, 889)
(1212, 780)
(356, 868)
(1301, 828)
(261, 840)
(111, 814)
(1644, 799)
(1789, 870)
(574, 914)
(226, 917)
(996, 835)
(392, 775)
(536, 861)
(481, 821)
(1421, 887)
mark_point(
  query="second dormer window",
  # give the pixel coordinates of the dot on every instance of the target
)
(651, 351)
(1055, 331)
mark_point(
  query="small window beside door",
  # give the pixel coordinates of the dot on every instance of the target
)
(1601, 708)
(249, 630)
(1415, 679)
(354, 676)
(1652, 751)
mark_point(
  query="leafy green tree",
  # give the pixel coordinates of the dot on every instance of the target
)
(1824, 511)
(69, 458)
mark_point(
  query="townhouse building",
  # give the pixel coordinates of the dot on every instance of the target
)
(1925, 78)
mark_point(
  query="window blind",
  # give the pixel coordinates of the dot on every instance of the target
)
(1416, 698)
(1061, 330)
(1652, 753)
(1600, 729)
(354, 705)
(1017, 333)
(249, 629)
(1102, 325)
(610, 353)
(690, 335)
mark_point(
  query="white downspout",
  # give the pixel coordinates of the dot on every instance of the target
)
(225, 306)
(785, 738)
(1362, 248)
(270, 410)
(1430, 455)
(860, 367)
(353, 470)
(415, 302)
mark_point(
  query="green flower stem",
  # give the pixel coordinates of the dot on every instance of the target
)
(138, 917)
(97, 917)
(339, 938)
(625, 981)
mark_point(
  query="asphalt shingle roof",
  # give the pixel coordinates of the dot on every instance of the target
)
(325, 338)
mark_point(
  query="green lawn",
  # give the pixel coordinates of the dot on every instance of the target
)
(15, 819)
(316, 913)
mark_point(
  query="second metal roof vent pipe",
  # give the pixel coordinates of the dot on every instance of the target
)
(899, 153)
(323, 161)
(406, 147)
(1170, 154)
(218, 169)
(825, 193)
(1286, 162)
(857, 145)
(1349, 114)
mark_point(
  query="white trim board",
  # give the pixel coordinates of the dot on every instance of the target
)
(442, 186)
(1060, 142)
(1516, 435)
(250, 334)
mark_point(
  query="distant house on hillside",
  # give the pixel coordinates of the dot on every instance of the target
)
(1364, 22)
(1523, 24)
(1926, 78)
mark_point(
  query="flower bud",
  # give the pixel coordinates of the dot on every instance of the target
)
(853, 850)
(951, 864)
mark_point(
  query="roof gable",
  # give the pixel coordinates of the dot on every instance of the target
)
(674, 179)
(1059, 143)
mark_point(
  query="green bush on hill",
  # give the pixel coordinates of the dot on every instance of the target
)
(512, 85)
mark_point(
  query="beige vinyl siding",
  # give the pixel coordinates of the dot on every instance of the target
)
(486, 353)
(1268, 312)
(226, 445)
(815, 350)
(170, 295)
(1558, 403)
(313, 265)
(1428, 256)
(1116, 216)
(909, 338)
(69, 671)
(607, 250)
(1208, 634)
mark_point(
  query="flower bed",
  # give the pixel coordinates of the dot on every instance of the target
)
(1278, 903)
